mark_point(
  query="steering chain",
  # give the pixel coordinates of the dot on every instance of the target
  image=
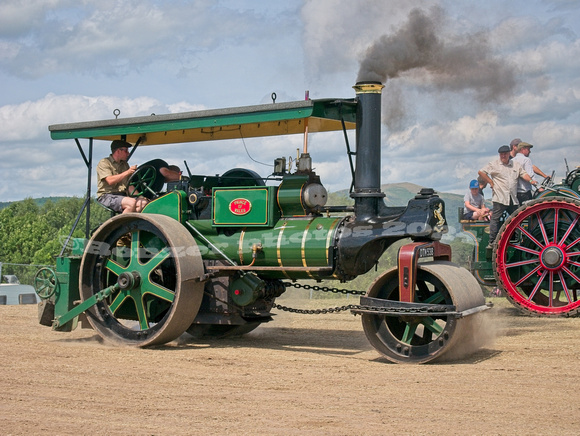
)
(357, 307)
(322, 289)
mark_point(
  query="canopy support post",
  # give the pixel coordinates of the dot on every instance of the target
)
(87, 203)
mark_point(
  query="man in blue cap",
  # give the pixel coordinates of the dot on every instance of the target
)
(474, 203)
(502, 176)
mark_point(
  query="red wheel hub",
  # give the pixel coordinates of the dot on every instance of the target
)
(553, 257)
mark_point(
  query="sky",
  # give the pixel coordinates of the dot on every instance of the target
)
(461, 79)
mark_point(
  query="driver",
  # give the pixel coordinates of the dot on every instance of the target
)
(113, 172)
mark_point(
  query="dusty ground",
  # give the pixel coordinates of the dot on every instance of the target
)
(298, 375)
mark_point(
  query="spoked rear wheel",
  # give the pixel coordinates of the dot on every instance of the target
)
(420, 339)
(155, 267)
(537, 258)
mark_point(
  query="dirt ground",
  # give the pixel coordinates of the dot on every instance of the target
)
(298, 375)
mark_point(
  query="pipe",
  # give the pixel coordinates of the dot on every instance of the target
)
(367, 182)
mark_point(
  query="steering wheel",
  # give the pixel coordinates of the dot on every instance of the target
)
(142, 181)
(548, 181)
(572, 175)
(45, 283)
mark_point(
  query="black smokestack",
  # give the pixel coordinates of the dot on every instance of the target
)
(367, 181)
(423, 48)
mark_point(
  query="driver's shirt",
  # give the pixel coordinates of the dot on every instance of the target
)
(108, 167)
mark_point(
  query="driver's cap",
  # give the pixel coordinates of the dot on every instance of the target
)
(119, 143)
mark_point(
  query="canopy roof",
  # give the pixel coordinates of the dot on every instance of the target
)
(242, 122)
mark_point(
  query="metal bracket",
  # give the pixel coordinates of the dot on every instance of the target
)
(88, 303)
(407, 264)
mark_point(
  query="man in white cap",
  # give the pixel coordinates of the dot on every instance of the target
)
(502, 176)
(523, 158)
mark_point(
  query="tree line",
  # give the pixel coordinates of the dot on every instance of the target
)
(33, 233)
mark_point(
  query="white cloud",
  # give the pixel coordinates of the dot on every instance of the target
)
(68, 61)
(29, 120)
(112, 38)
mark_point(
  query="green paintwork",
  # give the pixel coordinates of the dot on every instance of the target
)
(481, 266)
(131, 262)
(290, 195)
(249, 206)
(67, 291)
(245, 288)
(173, 205)
(73, 314)
(572, 191)
(292, 242)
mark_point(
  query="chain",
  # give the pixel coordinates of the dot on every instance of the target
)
(317, 311)
(321, 289)
(357, 307)
(324, 289)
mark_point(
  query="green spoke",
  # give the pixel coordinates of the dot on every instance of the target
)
(409, 332)
(156, 260)
(118, 300)
(436, 298)
(158, 291)
(141, 314)
(114, 267)
(431, 324)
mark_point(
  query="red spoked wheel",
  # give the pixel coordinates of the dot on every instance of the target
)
(537, 257)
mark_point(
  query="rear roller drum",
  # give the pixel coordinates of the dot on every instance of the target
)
(420, 339)
(537, 257)
(155, 266)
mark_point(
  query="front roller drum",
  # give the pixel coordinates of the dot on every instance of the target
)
(155, 268)
(424, 338)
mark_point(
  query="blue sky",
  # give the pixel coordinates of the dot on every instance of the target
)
(500, 70)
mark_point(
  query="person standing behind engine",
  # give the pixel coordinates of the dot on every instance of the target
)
(502, 176)
(514, 147)
(523, 158)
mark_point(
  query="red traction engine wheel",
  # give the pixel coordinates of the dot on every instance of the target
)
(537, 257)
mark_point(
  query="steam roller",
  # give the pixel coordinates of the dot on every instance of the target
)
(210, 254)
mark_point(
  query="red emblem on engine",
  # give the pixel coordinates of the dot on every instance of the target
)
(240, 206)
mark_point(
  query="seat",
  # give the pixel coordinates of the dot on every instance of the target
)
(111, 211)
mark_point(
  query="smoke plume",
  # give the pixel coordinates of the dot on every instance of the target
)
(455, 62)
